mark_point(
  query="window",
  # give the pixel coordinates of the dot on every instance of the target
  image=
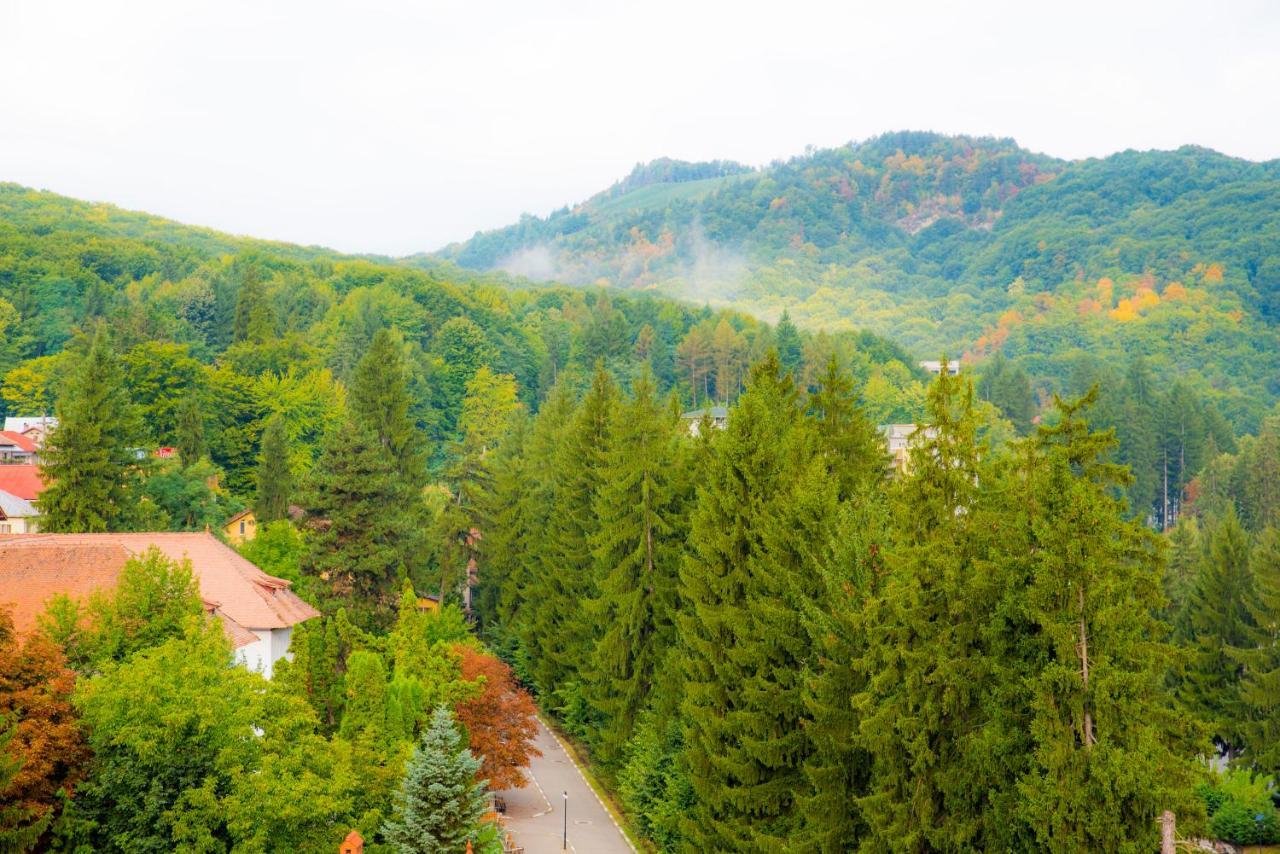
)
(242, 529)
(6, 528)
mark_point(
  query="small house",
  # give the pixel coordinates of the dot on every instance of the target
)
(17, 515)
(17, 448)
(717, 415)
(257, 611)
(241, 527)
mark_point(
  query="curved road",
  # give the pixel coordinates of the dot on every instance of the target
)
(536, 814)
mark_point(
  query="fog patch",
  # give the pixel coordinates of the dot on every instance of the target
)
(532, 262)
(715, 273)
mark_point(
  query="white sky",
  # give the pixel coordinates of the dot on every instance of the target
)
(397, 127)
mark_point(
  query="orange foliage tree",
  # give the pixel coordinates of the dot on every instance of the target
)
(500, 720)
(43, 739)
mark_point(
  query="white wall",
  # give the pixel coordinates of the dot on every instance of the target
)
(271, 646)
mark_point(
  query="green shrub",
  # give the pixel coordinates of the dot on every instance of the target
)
(1240, 809)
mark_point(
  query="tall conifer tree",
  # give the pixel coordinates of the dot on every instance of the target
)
(637, 547)
(89, 462)
(564, 581)
(1108, 750)
(1260, 691)
(192, 446)
(1220, 617)
(275, 478)
(759, 512)
(928, 677)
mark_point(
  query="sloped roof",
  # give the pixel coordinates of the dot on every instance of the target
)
(22, 425)
(33, 567)
(21, 442)
(22, 480)
(13, 507)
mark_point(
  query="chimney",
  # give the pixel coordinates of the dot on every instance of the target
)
(353, 844)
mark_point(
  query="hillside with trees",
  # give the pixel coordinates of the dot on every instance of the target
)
(968, 246)
(1032, 633)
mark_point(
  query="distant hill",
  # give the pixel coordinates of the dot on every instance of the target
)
(958, 244)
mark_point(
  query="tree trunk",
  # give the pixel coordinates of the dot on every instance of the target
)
(1088, 737)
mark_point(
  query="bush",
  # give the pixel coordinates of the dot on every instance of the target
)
(1240, 809)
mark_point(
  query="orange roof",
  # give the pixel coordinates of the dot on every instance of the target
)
(23, 442)
(21, 480)
(33, 567)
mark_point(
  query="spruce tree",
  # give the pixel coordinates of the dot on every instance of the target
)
(926, 670)
(844, 572)
(1260, 691)
(790, 347)
(763, 505)
(379, 398)
(532, 485)
(254, 318)
(1108, 753)
(636, 547)
(190, 437)
(359, 522)
(1220, 617)
(853, 447)
(560, 633)
(89, 462)
(440, 805)
(275, 478)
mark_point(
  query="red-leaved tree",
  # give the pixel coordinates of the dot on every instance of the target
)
(42, 739)
(501, 720)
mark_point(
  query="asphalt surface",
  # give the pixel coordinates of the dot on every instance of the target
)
(536, 814)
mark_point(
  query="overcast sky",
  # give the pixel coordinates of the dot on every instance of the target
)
(397, 127)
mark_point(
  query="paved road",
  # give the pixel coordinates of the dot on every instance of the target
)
(535, 814)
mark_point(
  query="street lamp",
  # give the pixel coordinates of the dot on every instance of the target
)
(564, 846)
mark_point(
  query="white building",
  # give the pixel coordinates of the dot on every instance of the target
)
(17, 515)
(934, 366)
(257, 611)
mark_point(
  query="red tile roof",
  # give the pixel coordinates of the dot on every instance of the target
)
(33, 567)
(23, 442)
(22, 480)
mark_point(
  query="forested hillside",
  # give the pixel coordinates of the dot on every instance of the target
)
(963, 245)
(1029, 635)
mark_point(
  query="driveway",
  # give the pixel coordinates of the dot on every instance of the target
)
(536, 813)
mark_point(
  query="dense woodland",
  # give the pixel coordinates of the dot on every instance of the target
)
(960, 245)
(1034, 638)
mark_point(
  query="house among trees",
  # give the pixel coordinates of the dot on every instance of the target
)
(258, 611)
(20, 486)
(241, 527)
(17, 515)
(17, 448)
(934, 366)
(34, 429)
(719, 416)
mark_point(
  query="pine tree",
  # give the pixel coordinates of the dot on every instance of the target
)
(854, 449)
(192, 446)
(559, 635)
(275, 479)
(1260, 691)
(762, 508)
(1109, 752)
(521, 521)
(790, 347)
(88, 463)
(637, 547)
(925, 664)
(1221, 621)
(379, 398)
(254, 319)
(440, 804)
(359, 523)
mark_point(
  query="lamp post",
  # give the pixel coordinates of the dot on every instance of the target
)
(564, 846)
